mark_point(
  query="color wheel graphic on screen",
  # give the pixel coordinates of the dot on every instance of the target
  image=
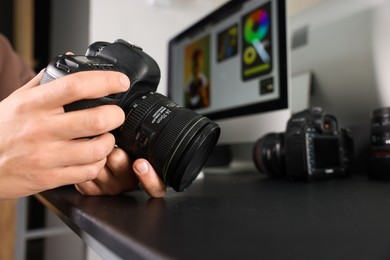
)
(256, 29)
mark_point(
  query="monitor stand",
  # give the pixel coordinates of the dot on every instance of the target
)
(232, 158)
(235, 158)
(300, 91)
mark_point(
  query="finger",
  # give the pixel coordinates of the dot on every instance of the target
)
(88, 122)
(79, 151)
(107, 183)
(149, 179)
(89, 188)
(72, 175)
(116, 177)
(120, 165)
(32, 83)
(119, 161)
(79, 86)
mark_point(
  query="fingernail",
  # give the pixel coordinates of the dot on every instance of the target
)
(124, 81)
(142, 168)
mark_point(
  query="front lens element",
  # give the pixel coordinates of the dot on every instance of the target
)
(175, 140)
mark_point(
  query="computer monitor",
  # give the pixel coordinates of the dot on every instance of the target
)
(232, 66)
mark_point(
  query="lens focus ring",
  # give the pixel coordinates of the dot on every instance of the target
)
(137, 113)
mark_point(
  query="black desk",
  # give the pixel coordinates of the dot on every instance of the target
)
(240, 216)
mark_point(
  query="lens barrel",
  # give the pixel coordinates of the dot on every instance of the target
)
(268, 154)
(379, 161)
(175, 140)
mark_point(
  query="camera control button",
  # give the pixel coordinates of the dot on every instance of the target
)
(144, 137)
(131, 45)
(71, 64)
(62, 66)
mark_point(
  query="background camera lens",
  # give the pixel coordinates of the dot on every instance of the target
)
(175, 140)
(268, 154)
(379, 161)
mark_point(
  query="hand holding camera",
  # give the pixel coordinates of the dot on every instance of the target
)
(175, 140)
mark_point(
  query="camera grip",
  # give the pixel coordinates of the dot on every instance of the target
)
(86, 103)
(90, 103)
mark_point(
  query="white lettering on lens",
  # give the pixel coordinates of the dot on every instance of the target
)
(160, 115)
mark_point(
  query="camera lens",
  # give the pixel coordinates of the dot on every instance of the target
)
(268, 154)
(379, 162)
(175, 140)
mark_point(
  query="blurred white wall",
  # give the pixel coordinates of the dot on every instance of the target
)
(69, 27)
(147, 23)
(381, 49)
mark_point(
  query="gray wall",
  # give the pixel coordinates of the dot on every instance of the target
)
(149, 26)
(69, 27)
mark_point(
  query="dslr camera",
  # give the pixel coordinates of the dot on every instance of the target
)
(175, 140)
(313, 147)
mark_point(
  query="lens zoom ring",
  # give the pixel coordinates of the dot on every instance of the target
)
(170, 138)
(139, 111)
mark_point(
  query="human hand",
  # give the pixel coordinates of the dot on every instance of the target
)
(120, 174)
(42, 147)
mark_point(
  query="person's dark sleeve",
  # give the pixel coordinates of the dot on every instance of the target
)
(14, 72)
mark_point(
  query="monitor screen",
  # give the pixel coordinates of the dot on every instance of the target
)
(231, 66)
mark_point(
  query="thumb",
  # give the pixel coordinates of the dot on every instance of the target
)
(149, 179)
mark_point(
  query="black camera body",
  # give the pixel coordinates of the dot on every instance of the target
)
(313, 147)
(122, 56)
(175, 140)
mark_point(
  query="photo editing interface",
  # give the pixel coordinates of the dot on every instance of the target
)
(228, 64)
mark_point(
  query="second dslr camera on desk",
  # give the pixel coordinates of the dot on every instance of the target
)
(313, 147)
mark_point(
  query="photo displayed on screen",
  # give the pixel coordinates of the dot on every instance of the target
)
(227, 45)
(229, 63)
(197, 74)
